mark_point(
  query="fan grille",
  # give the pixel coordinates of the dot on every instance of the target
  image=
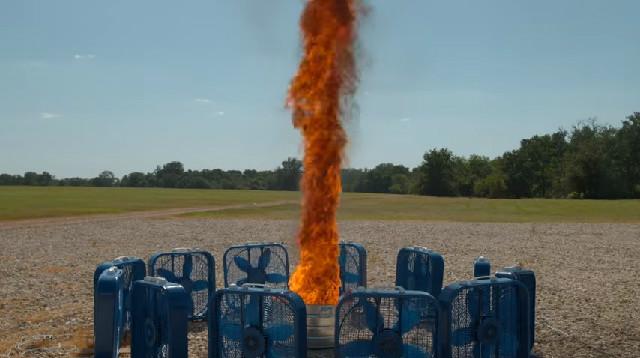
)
(200, 271)
(272, 312)
(473, 305)
(419, 269)
(154, 313)
(353, 265)
(353, 325)
(278, 264)
(127, 284)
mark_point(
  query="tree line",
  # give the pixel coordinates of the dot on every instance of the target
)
(588, 161)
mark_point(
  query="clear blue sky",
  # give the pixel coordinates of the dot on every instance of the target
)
(126, 85)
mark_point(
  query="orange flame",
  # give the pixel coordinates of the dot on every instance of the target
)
(323, 85)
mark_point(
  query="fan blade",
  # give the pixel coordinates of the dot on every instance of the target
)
(200, 285)
(264, 259)
(187, 266)
(350, 277)
(276, 278)
(170, 276)
(242, 263)
(358, 348)
(463, 336)
(413, 351)
(374, 318)
(231, 330)
(280, 332)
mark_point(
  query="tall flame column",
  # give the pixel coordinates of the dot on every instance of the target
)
(322, 87)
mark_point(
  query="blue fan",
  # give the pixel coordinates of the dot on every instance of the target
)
(420, 269)
(197, 279)
(260, 263)
(483, 319)
(353, 266)
(387, 324)
(257, 322)
(159, 320)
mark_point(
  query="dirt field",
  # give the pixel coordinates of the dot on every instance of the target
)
(588, 298)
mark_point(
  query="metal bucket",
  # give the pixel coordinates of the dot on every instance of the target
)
(320, 326)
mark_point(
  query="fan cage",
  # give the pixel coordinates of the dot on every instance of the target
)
(279, 263)
(203, 266)
(407, 267)
(272, 308)
(351, 322)
(467, 304)
(355, 263)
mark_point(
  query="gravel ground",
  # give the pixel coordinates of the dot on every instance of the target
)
(588, 294)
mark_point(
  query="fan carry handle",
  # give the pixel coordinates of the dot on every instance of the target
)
(156, 280)
(400, 289)
(184, 249)
(124, 258)
(249, 285)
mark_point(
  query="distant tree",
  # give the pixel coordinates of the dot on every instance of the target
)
(468, 171)
(193, 181)
(75, 182)
(380, 178)
(399, 184)
(170, 173)
(591, 170)
(627, 153)
(255, 180)
(45, 179)
(135, 179)
(233, 180)
(531, 170)
(491, 186)
(287, 177)
(351, 179)
(104, 179)
(437, 173)
(30, 178)
(7, 179)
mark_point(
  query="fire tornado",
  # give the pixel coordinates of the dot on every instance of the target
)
(318, 96)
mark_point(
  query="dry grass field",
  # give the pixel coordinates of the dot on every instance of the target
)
(587, 273)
